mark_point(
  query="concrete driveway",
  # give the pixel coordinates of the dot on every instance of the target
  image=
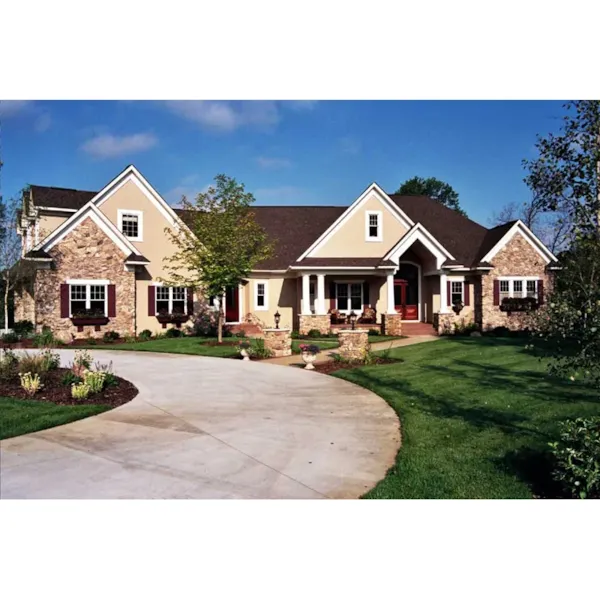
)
(211, 428)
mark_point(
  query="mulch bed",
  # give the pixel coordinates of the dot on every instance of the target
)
(55, 391)
(329, 367)
(23, 344)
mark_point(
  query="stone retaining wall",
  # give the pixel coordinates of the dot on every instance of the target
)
(353, 343)
(278, 341)
(320, 322)
(391, 324)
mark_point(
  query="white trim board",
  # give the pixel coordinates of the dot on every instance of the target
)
(528, 235)
(420, 233)
(394, 209)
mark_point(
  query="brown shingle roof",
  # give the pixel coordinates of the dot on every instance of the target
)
(60, 197)
(493, 236)
(459, 235)
(138, 258)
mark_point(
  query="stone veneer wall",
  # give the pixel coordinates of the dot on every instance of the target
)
(85, 253)
(320, 322)
(279, 341)
(353, 343)
(24, 304)
(391, 324)
(516, 259)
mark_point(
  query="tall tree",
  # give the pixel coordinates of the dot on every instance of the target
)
(566, 174)
(439, 190)
(222, 244)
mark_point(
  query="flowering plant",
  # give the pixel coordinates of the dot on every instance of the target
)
(310, 349)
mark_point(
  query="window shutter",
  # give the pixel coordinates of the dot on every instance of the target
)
(332, 295)
(190, 301)
(449, 293)
(540, 290)
(467, 293)
(366, 295)
(496, 292)
(151, 300)
(112, 300)
(64, 300)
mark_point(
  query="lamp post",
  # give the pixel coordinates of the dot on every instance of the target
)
(352, 316)
(277, 317)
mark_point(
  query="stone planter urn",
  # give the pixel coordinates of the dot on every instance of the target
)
(309, 359)
(244, 353)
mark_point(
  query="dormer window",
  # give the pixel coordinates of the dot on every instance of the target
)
(373, 226)
(130, 224)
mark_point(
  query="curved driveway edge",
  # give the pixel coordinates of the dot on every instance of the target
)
(204, 427)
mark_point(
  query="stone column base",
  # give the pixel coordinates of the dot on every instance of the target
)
(278, 341)
(391, 324)
(320, 322)
(354, 343)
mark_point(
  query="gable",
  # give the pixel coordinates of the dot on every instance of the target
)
(517, 257)
(347, 237)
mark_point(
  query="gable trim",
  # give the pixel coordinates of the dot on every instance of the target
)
(395, 210)
(420, 233)
(528, 235)
(101, 220)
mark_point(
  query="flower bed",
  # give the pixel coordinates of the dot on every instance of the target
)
(332, 366)
(59, 393)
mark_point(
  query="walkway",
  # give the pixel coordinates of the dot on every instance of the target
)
(206, 427)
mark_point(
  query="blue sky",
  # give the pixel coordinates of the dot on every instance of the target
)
(305, 152)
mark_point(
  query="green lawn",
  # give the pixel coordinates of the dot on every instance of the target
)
(198, 345)
(476, 416)
(18, 417)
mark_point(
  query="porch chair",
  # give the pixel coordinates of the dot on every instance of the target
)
(369, 316)
(336, 316)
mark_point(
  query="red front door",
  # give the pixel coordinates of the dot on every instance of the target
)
(232, 305)
(406, 292)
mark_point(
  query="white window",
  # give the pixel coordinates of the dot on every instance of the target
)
(261, 301)
(131, 224)
(171, 300)
(373, 226)
(88, 298)
(457, 293)
(349, 296)
(518, 287)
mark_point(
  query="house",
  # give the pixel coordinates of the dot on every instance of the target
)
(388, 258)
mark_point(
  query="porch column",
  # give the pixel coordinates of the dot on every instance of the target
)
(306, 294)
(320, 299)
(390, 295)
(443, 293)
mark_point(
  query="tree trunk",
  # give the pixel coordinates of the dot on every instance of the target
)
(5, 305)
(220, 324)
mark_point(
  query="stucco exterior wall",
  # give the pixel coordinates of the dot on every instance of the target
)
(516, 259)
(48, 223)
(349, 240)
(85, 253)
(281, 296)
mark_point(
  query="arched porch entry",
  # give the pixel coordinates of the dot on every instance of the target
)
(407, 291)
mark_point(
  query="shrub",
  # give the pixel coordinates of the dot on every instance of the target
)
(110, 336)
(69, 378)
(577, 457)
(94, 380)
(501, 331)
(241, 334)
(35, 364)
(314, 333)
(80, 391)
(81, 362)
(8, 364)
(374, 332)
(31, 383)
(204, 320)
(44, 339)
(51, 359)
(110, 378)
(145, 335)
(10, 337)
(173, 333)
(463, 328)
(259, 350)
(295, 335)
(23, 328)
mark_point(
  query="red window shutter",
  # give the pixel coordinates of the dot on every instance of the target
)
(64, 300)
(112, 300)
(332, 295)
(496, 292)
(190, 301)
(467, 294)
(540, 289)
(151, 301)
(449, 293)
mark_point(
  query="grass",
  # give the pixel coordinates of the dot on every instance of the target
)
(198, 346)
(18, 417)
(476, 417)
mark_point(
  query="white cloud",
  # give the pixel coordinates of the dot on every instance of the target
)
(301, 104)
(350, 145)
(226, 116)
(273, 163)
(188, 187)
(281, 194)
(109, 146)
(10, 108)
(43, 122)
(29, 109)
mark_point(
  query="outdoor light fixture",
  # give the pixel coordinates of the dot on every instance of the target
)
(352, 316)
(277, 319)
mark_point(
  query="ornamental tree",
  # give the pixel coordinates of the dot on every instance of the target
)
(219, 244)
